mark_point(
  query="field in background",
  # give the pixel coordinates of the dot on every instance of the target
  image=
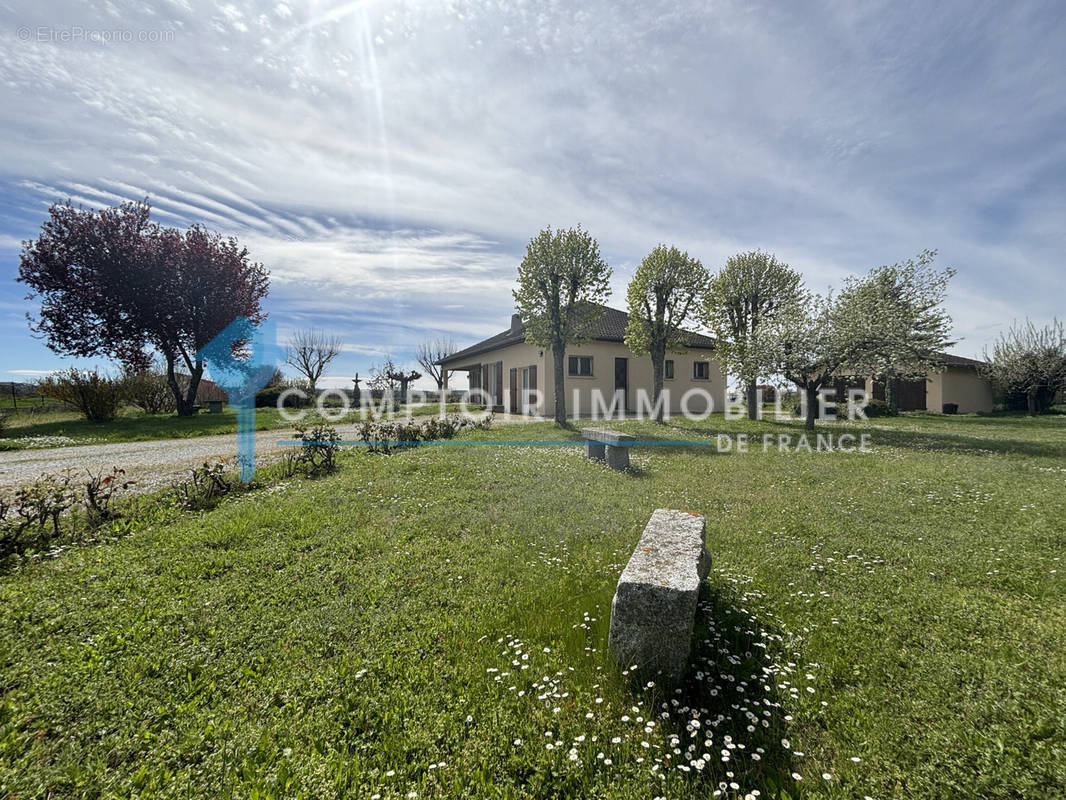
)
(434, 622)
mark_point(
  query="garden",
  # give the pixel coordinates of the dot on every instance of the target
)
(432, 622)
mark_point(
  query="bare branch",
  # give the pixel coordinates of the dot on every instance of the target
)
(430, 352)
(309, 352)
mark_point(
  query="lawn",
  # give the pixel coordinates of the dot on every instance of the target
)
(59, 429)
(433, 623)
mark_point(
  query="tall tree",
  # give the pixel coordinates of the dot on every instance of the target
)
(309, 353)
(750, 290)
(807, 342)
(429, 353)
(897, 322)
(561, 282)
(113, 283)
(1029, 362)
(661, 296)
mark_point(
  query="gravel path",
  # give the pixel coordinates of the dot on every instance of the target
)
(153, 464)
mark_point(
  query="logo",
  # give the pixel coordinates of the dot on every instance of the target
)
(241, 360)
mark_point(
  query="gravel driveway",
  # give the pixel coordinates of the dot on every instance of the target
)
(150, 464)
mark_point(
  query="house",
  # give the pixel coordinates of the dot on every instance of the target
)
(599, 374)
(206, 391)
(960, 384)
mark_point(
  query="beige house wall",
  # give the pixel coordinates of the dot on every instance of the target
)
(522, 355)
(934, 393)
(960, 385)
(640, 378)
(516, 356)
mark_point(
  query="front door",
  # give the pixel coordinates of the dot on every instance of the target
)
(530, 385)
(621, 382)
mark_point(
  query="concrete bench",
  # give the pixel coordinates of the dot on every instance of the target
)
(654, 606)
(616, 444)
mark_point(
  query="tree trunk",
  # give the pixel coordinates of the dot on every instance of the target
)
(558, 356)
(753, 400)
(812, 407)
(658, 359)
(189, 407)
(175, 388)
(891, 393)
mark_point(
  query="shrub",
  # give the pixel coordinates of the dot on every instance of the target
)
(100, 490)
(384, 437)
(874, 408)
(877, 408)
(31, 519)
(268, 398)
(98, 397)
(318, 453)
(207, 485)
(148, 390)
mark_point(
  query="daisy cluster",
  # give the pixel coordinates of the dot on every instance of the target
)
(29, 442)
(724, 730)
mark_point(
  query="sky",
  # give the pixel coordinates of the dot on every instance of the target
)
(388, 161)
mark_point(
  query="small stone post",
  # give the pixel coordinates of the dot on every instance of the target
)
(654, 607)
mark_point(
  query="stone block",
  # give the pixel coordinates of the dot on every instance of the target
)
(617, 456)
(654, 606)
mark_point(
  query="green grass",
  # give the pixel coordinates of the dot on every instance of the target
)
(69, 428)
(366, 633)
(24, 430)
(23, 401)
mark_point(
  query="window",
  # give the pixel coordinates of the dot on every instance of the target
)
(668, 369)
(701, 370)
(581, 366)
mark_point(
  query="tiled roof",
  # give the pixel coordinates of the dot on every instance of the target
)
(959, 361)
(611, 327)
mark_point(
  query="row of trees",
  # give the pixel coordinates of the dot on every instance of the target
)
(113, 283)
(888, 324)
(389, 378)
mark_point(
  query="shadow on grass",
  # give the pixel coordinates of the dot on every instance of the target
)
(728, 703)
(957, 443)
(913, 439)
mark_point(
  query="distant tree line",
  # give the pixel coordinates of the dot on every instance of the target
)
(114, 283)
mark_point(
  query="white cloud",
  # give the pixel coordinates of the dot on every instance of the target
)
(388, 162)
